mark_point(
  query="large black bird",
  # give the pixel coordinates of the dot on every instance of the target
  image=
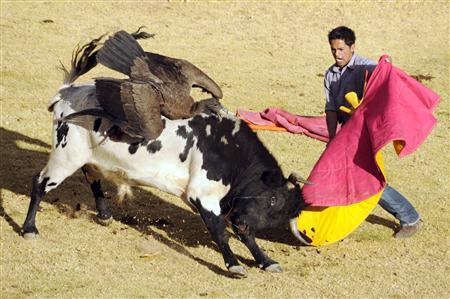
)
(157, 85)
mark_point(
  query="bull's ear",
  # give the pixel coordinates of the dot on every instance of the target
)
(273, 178)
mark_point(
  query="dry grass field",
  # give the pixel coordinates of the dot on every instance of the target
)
(262, 54)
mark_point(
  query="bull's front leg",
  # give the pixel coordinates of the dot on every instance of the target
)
(264, 262)
(217, 228)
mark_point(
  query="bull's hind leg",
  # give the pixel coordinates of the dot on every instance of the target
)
(104, 216)
(57, 170)
(39, 185)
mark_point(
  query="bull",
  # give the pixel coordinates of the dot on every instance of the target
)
(217, 165)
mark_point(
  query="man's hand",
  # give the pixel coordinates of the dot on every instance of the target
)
(331, 118)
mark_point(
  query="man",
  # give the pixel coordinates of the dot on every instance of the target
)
(345, 75)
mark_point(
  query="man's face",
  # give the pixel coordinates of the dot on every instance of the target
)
(341, 52)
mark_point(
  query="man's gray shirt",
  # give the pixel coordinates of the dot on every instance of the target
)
(339, 81)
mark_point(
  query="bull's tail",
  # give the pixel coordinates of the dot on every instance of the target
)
(124, 193)
(83, 60)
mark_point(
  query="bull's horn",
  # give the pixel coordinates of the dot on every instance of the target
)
(296, 178)
(296, 233)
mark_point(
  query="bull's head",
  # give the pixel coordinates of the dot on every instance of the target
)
(267, 202)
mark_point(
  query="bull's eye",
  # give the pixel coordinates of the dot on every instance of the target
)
(273, 200)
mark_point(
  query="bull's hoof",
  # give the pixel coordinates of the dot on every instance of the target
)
(104, 221)
(30, 235)
(29, 232)
(274, 268)
(238, 271)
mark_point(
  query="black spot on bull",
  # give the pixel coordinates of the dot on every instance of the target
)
(62, 129)
(243, 155)
(182, 132)
(187, 147)
(154, 146)
(132, 149)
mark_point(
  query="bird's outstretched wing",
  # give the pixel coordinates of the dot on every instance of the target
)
(142, 110)
(135, 106)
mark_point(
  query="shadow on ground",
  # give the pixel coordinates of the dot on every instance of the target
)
(374, 219)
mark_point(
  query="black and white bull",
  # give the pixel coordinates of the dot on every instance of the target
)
(216, 165)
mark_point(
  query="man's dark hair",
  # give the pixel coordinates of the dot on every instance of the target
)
(344, 33)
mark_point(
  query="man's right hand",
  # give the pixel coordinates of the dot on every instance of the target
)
(331, 118)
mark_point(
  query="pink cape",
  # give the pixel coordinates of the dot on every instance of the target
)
(395, 108)
(312, 126)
